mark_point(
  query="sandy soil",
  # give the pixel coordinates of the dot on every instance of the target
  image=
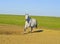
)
(13, 34)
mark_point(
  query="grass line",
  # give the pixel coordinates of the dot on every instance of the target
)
(50, 22)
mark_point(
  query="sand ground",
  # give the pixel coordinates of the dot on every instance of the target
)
(12, 34)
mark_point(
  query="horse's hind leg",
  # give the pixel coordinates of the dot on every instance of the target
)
(36, 25)
(31, 29)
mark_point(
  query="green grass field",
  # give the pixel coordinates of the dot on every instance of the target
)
(12, 30)
(43, 21)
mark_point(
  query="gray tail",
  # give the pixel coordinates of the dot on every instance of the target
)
(36, 24)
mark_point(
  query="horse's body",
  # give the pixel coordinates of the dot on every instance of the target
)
(30, 23)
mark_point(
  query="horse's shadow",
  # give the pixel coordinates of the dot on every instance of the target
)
(37, 31)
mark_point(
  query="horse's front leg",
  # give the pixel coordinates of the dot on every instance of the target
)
(26, 26)
(25, 29)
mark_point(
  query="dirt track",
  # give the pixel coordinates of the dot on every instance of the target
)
(12, 34)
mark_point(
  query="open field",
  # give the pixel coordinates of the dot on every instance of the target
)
(11, 30)
(43, 21)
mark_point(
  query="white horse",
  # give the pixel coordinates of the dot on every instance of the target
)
(30, 23)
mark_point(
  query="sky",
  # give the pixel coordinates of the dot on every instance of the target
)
(32, 7)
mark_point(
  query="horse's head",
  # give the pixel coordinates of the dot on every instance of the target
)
(26, 16)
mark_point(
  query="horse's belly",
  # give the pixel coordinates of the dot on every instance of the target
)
(33, 22)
